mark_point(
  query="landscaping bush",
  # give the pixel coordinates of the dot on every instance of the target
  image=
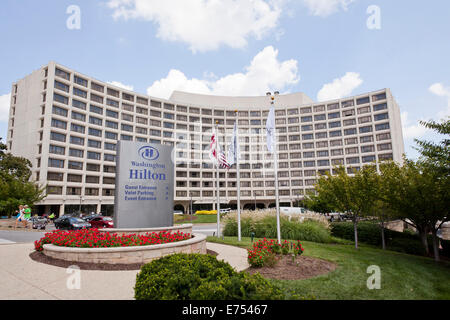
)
(309, 230)
(410, 246)
(199, 277)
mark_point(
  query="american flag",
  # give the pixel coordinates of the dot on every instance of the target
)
(215, 154)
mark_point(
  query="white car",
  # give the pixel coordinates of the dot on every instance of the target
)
(178, 212)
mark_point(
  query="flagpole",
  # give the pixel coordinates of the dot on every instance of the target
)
(277, 200)
(238, 181)
(217, 182)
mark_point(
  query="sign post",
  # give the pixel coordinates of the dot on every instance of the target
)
(144, 185)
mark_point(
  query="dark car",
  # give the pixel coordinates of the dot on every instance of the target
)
(71, 223)
(39, 222)
(99, 221)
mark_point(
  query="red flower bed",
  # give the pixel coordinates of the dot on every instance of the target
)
(92, 238)
(264, 251)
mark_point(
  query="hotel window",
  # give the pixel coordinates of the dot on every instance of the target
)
(348, 113)
(366, 149)
(126, 137)
(111, 124)
(77, 140)
(112, 103)
(141, 100)
(80, 81)
(383, 136)
(294, 129)
(385, 157)
(280, 113)
(349, 122)
(364, 110)
(96, 98)
(257, 122)
(377, 97)
(309, 145)
(109, 169)
(363, 100)
(385, 146)
(110, 135)
(128, 97)
(112, 92)
(75, 165)
(309, 154)
(364, 119)
(337, 162)
(379, 107)
(62, 74)
(55, 176)
(142, 110)
(91, 192)
(78, 116)
(308, 127)
(352, 160)
(127, 107)
(95, 132)
(310, 182)
(78, 104)
(154, 132)
(61, 86)
(127, 117)
(243, 113)
(92, 167)
(365, 129)
(319, 117)
(59, 111)
(57, 149)
(334, 124)
(337, 152)
(333, 106)
(112, 114)
(334, 143)
(292, 111)
(79, 92)
(109, 157)
(382, 126)
(321, 135)
(110, 146)
(309, 164)
(141, 130)
(280, 121)
(126, 127)
(347, 103)
(381, 116)
(57, 136)
(366, 159)
(309, 173)
(348, 132)
(61, 99)
(97, 87)
(74, 191)
(322, 153)
(319, 108)
(366, 139)
(94, 144)
(54, 190)
(306, 119)
(296, 137)
(76, 153)
(96, 109)
(168, 125)
(351, 141)
(93, 155)
(353, 150)
(323, 163)
(306, 110)
(334, 115)
(322, 144)
(95, 120)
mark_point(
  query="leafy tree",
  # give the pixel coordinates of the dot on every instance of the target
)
(418, 192)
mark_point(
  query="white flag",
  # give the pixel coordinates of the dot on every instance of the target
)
(233, 147)
(270, 127)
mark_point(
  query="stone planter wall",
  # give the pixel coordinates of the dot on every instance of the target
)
(126, 255)
(185, 228)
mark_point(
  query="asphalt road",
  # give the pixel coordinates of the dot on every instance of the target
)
(10, 236)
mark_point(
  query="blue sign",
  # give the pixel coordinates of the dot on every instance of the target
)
(149, 153)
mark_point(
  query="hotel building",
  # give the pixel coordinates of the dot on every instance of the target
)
(67, 124)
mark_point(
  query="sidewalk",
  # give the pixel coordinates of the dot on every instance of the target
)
(22, 278)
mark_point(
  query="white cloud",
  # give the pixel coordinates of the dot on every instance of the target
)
(411, 130)
(5, 101)
(324, 8)
(204, 24)
(121, 85)
(265, 73)
(441, 91)
(340, 87)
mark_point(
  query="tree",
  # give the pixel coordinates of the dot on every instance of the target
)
(355, 195)
(418, 192)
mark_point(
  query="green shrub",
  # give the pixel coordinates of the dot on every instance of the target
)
(199, 277)
(309, 230)
(411, 246)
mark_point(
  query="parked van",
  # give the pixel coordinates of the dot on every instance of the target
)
(292, 210)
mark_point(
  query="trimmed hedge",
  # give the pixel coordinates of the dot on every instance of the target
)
(309, 230)
(370, 233)
(200, 277)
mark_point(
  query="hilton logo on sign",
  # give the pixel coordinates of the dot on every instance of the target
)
(149, 153)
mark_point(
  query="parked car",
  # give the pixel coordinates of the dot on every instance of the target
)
(178, 212)
(99, 221)
(39, 222)
(71, 223)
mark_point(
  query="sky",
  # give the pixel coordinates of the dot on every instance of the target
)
(327, 49)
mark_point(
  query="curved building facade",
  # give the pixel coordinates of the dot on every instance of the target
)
(67, 124)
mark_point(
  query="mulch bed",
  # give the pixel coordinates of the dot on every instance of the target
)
(302, 268)
(42, 258)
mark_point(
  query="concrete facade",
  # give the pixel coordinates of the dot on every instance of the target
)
(67, 124)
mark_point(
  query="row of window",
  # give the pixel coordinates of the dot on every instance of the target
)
(76, 191)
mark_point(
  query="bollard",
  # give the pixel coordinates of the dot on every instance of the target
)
(252, 235)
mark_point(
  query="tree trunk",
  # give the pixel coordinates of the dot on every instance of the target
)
(383, 242)
(423, 238)
(435, 244)
(355, 225)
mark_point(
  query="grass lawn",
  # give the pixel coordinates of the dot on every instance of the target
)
(403, 276)
(196, 219)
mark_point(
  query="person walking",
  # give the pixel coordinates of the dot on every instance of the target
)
(26, 214)
(20, 217)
